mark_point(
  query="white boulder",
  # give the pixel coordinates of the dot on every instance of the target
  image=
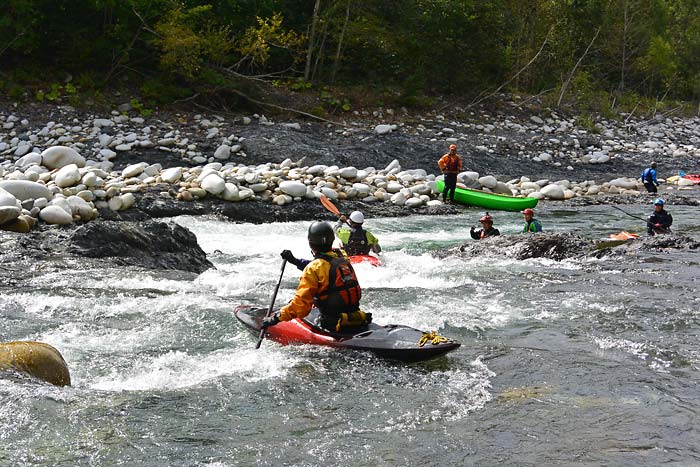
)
(67, 176)
(55, 215)
(25, 189)
(223, 152)
(134, 170)
(552, 191)
(293, 188)
(57, 157)
(489, 181)
(214, 184)
(348, 172)
(230, 192)
(383, 129)
(7, 199)
(414, 202)
(171, 175)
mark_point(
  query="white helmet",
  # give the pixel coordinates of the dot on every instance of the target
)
(357, 217)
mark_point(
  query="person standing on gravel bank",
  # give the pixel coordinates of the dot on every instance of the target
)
(450, 164)
(649, 178)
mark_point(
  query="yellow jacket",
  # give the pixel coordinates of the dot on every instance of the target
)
(314, 280)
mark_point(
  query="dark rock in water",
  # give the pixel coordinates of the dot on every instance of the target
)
(657, 243)
(149, 244)
(563, 245)
(556, 246)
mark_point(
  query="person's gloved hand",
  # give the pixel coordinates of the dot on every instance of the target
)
(286, 254)
(270, 321)
(658, 226)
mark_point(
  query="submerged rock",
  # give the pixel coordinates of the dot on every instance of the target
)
(151, 244)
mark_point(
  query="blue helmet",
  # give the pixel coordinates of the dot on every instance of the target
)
(658, 202)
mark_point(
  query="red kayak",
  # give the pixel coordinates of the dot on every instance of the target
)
(393, 341)
(357, 259)
(695, 178)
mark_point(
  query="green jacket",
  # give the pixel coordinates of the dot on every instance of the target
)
(343, 234)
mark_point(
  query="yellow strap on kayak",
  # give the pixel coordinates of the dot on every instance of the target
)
(433, 337)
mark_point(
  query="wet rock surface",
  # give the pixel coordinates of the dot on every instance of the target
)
(563, 245)
(656, 244)
(556, 246)
(148, 244)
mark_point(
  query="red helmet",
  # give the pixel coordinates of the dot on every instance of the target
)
(453, 146)
(486, 218)
(528, 211)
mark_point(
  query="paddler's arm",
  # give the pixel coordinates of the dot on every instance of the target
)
(373, 242)
(341, 222)
(303, 300)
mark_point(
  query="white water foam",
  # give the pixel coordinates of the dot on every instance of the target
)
(177, 369)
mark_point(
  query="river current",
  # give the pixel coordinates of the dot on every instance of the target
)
(591, 362)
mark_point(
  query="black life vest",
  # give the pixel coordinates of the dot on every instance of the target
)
(343, 292)
(357, 243)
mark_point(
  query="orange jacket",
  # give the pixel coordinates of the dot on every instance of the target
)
(313, 281)
(450, 164)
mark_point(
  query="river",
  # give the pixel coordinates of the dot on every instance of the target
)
(592, 361)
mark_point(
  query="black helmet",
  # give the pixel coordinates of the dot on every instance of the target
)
(321, 236)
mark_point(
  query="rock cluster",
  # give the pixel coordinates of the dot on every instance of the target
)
(65, 172)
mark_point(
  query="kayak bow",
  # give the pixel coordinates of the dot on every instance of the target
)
(393, 341)
(357, 259)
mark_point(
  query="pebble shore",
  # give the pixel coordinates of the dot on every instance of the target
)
(61, 172)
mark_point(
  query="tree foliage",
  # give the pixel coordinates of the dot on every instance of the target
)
(465, 47)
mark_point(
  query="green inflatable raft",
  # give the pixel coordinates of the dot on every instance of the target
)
(490, 201)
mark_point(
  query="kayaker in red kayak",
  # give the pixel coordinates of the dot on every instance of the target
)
(660, 220)
(328, 282)
(354, 238)
(450, 164)
(487, 229)
(532, 225)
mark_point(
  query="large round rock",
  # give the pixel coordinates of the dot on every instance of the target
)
(57, 157)
(25, 189)
(35, 359)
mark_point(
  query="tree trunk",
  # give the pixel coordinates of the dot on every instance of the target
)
(625, 27)
(319, 54)
(312, 40)
(340, 41)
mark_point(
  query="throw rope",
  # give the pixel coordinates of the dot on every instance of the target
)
(433, 337)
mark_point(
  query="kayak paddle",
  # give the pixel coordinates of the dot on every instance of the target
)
(632, 215)
(330, 206)
(272, 304)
